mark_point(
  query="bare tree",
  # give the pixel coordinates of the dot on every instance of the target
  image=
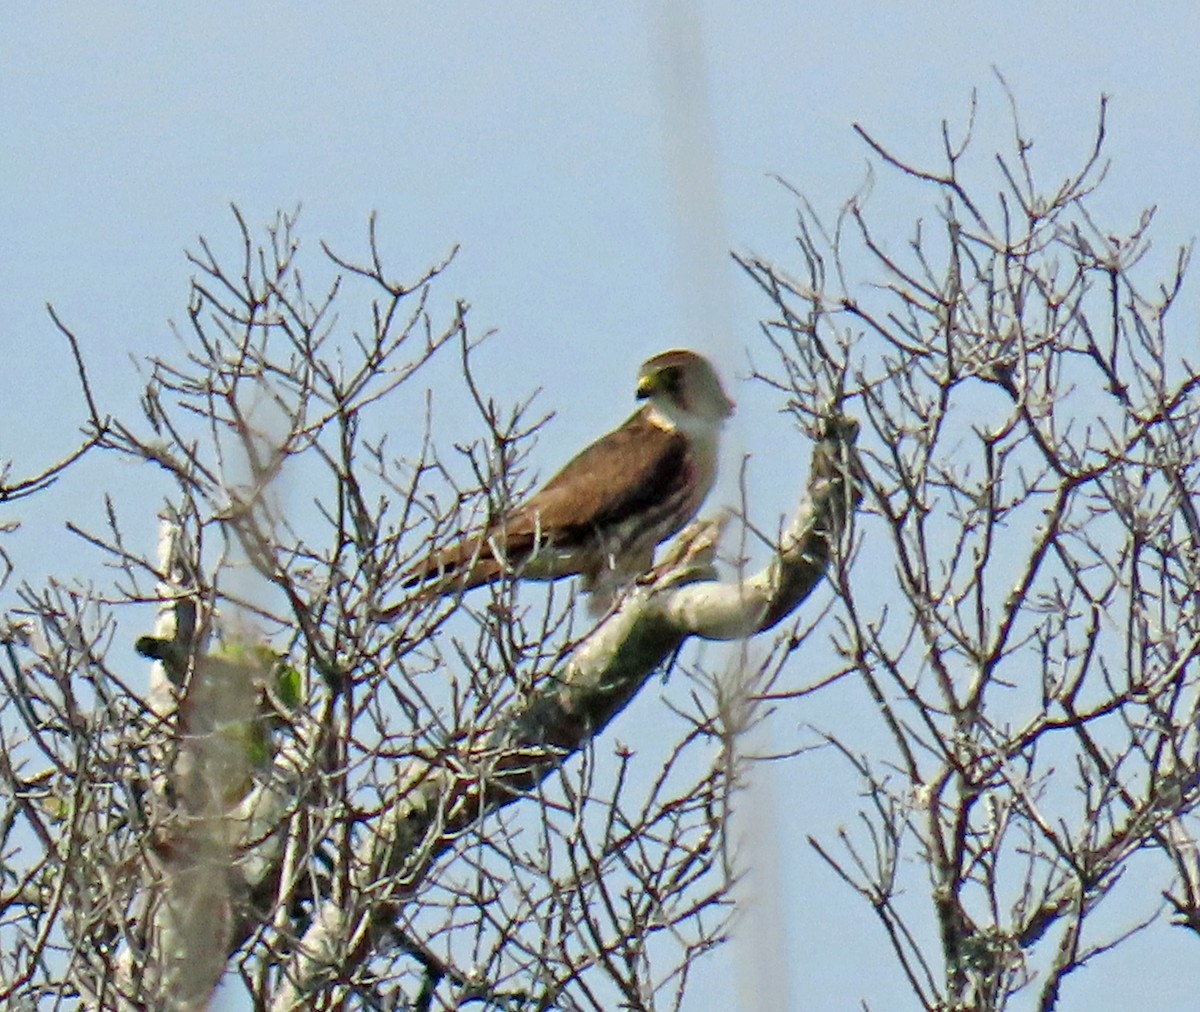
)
(1031, 459)
(346, 811)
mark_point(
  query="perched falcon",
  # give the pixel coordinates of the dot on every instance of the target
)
(604, 513)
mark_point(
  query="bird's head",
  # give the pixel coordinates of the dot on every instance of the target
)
(683, 387)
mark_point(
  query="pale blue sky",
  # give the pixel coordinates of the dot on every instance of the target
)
(547, 140)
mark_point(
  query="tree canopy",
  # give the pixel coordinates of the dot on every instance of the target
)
(351, 811)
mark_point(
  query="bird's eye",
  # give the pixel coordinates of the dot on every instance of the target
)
(671, 379)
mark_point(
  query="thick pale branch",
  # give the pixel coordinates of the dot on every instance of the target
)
(439, 796)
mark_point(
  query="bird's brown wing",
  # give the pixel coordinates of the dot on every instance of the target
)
(636, 472)
(637, 476)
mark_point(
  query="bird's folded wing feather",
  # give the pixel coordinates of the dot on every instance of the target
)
(629, 472)
(637, 470)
